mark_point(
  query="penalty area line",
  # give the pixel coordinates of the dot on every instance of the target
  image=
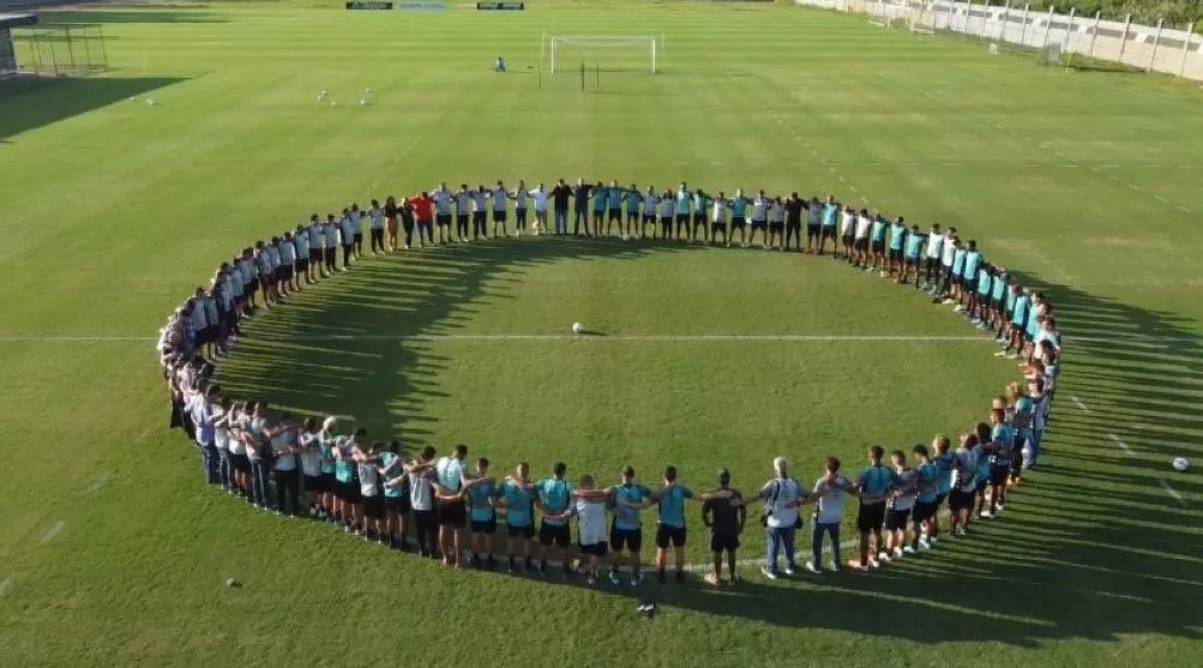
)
(1173, 493)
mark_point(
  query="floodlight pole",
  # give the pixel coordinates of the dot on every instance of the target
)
(1156, 40)
(1190, 33)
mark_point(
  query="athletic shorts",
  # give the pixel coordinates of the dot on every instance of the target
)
(828, 230)
(869, 517)
(462, 220)
(682, 218)
(373, 507)
(442, 219)
(302, 264)
(666, 534)
(498, 216)
(776, 226)
(594, 549)
(478, 216)
(451, 513)
(487, 527)
(879, 246)
(553, 533)
(896, 254)
(723, 540)
(719, 226)
(861, 244)
(315, 255)
(699, 219)
(981, 485)
(314, 483)
(666, 221)
(924, 511)
(738, 221)
(286, 272)
(519, 532)
(241, 463)
(253, 287)
(896, 519)
(913, 262)
(960, 500)
(329, 254)
(397, 504)
(649, 218)
(347, 491)
(615, 214)
(812, 230)
(631, 539)
(759, 224)
(520, 215)
(999, 474)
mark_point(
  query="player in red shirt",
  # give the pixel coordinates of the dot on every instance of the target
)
(424, 215)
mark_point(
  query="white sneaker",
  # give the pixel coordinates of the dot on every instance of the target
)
(958, 308)
(986, 514)
(897, 553)
(835, 566)
(764, 570)
(960, 531)
(933, 541)
(637, 580)
(789, 571)
(924, 544)
(908, 550)
(810, 566)
(883, 556)
(614, 578)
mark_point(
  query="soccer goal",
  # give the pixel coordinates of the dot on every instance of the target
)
(923, 18)
(611, 53)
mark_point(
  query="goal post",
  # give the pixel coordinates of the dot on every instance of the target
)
(923, 18)
(609, 52)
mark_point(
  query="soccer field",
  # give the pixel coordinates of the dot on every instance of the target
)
(1087, 183)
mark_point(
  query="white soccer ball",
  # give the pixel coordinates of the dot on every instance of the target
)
(322, 93)
(577, 328)
(625, 238)
(362, 102)
(333, 103)
(232, 582)
(1181, 463)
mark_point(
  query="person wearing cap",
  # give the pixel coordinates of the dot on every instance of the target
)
(725, 516)
(781, 496)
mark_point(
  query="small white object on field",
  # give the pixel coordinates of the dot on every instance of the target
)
(577, 328)
(362, 102)
(151, 101)
(1181, 463)
(333, 103)
(231, 582)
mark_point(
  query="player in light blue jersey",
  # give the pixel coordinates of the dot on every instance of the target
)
(613, 208)
(700, 202)
(925, 503)
(633, 199)
(998, 292)
(627, 499)
(482, 494)
(912, 253)
(517, 495)
(979, 305)
(831, 212)
(554, 495)
(739, 220)
(943, 461)
(894, 262)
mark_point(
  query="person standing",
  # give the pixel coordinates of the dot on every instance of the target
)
(449, 507)
(829, 493)
(580, 207)
(420, 477)
(873, 486)
(463, 212)
(628, 498)
(516, 494)
(423, 214)
(793, 220)
(554, 497)
(725, 517)
(781, 496)
(498, 197)
(283, 438)
(390, 224)
(482, 490)
(519, 195)
(441, 198)
(560, 195)
(396, 497)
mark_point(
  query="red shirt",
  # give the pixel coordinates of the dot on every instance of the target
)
(422, 208)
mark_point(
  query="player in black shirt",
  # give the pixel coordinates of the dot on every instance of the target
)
(725, 516)
(793, 220)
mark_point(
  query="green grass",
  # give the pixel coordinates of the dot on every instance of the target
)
(1086, 182)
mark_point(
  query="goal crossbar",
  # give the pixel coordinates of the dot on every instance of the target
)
(553, 43)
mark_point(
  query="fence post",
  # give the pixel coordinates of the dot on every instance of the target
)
(1190, 34)
(951, 6)
(1156, 39)
(1094, 32)
(1048, 25)
(1023, 31)
(1006, 22)
(1123, 41)
(1068, 30)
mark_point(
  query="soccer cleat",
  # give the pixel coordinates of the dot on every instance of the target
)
(924, 544)
(764, 570)
(897, 553)
(810, 566)
(908, 549)
(789, 571)
(986, 514)
(636, 579)
(873, 563)
(614, 578)
(712, 580)
(883, 556)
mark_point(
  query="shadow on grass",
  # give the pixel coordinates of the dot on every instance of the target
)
(132, 14)
(30, 103)
(1091, 547)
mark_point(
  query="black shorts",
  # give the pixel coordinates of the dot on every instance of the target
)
(552, 533)
(666, 534)
(759, 224)
(241, 463)
(633, 216)
(442, 219)
(373, 507)
(631, 539)
(879, 246)
(649, 218)
(487, 527)
(895, 253)
(594, 549)
(719, 226)
(738, 221)
(358, 237)
(451, 513)
(286, 272)
(870, 517)
(302, 264)
(330, 253)
(924, 511)
(315, 255)
(498, 216)
(959, 500)
(723, 540)
(666, 221)
(999, 474)
(776, 226)
(896, 519)
(252, 287)
(682, 218)
(812, 230)
(462, 220)
(347, 491)
(520, 215)
(314, 483)
(615, 214)
(598, 214)
(913, 261)
(478, 216)
(828, 230)
(861, 244)
(519, 532)
(981, 486)
(397, 504)
(699, 219)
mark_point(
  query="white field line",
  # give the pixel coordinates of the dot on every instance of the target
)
(5, 585)
(99, 482)
(1081, 404)
(53, 531)
(1122, 446)
(1173, 493)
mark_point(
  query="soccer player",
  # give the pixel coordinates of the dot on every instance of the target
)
(288, 263)
(390, 223)
(984, 452)
(759, 219)
(347, 227)
(540, 195)
(700, 202)
(519, 195)
(814, 215)
(944, 461)
(829, 493)
(894, 262)
(419, 476)
(601, 196)
(793, 220)
(482, 490)
(396, 497)
(739, 207)
(927, 487)
(671, 527)
(406, 210)
(718, 219)
(960, 253)
(681, 201)
(376, 227)
(980, 311)
(831, 211)
(972, 261)
(553, 497)
(1019, 316)
(589, 507)
(932, 252)
(915, 241)
(949, 252)
(480, 222)
(424, 217)
(877, 242)
(463, 212)
(776, 215)
(873, 486)
(998, 298)
(499, 196)
(517, 495)
(725, 517)
(367, 464)
(347, 491)
(665, 208)
(580, 208)
(1003, 438)
(440, 197)
(650, 203)
(316, 242)
(448, 487)
(357, 226)
(627, 531)
(902, 501)
(311, 474)
(633, 199)
(613, 207)
(861, 244)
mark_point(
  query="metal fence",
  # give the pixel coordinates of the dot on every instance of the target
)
(1158, 48)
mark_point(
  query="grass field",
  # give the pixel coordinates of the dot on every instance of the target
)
(112, 552)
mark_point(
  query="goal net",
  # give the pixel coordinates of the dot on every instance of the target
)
(610, 53)
(923, 18)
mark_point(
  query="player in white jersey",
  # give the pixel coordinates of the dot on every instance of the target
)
(932, 251)
(463, 212)
(519, 195)
(650, 200)
(861, 243)
(759, 218)
(300, 245)
(442, 212)
(664, 207)
(848, 233)
(539, 195)
(718, 219)
(480, 224)
(499, 195)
